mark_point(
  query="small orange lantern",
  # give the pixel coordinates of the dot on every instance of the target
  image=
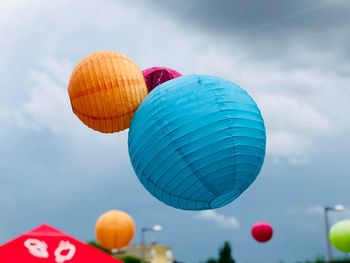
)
(105, 89)
(114, 230)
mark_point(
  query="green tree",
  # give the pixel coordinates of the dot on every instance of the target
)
(130, 259)
(225, 254)
(96, 245)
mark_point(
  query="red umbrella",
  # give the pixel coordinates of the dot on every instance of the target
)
(48, 245)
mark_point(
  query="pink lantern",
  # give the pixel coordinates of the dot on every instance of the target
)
(262, 232)
(155, 76)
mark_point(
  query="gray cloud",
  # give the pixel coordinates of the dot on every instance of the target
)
(271, 30)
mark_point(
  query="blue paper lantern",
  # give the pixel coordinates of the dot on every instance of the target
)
(197, 142)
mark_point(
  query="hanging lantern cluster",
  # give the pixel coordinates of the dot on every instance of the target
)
(196, 142)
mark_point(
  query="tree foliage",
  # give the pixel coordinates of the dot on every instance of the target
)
(224, 255)
(96, 245)
(130, 259)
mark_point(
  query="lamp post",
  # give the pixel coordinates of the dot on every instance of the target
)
(155, 228)
(336, 208)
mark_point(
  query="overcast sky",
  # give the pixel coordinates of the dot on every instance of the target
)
(291, 56)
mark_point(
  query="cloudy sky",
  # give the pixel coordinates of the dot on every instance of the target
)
(291, 56)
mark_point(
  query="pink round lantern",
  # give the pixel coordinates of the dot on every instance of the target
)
(262, 232)
(155, 76)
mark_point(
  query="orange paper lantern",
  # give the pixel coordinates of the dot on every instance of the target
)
(105, 90)
(114, 229)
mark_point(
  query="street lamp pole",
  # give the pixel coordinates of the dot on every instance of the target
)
(329, 248)
(143, 249)
(155, 228)
(337, 208)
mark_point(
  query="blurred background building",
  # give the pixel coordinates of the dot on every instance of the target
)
(152, 253)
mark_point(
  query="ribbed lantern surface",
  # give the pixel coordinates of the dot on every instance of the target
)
(197, 142)
(105, 89)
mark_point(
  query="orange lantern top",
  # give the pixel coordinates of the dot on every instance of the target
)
(114, 229)
(105, 89)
